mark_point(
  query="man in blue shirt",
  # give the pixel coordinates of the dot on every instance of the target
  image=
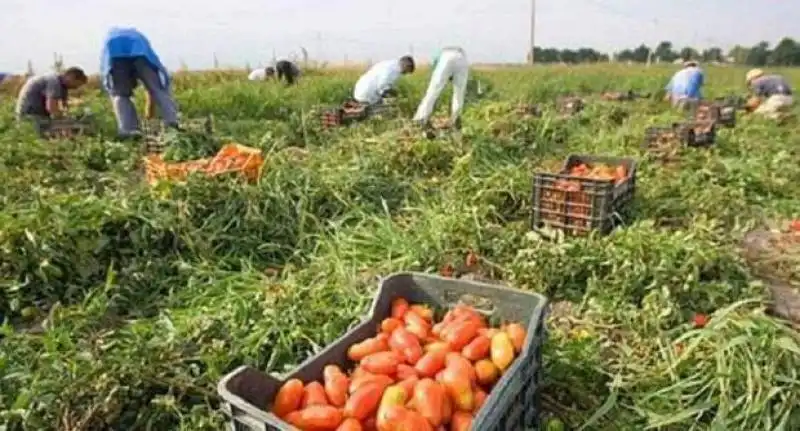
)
(684, 87)
(128, 58)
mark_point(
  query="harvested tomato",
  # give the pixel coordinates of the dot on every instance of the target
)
(381, 363)
(393, 396)
(447, 270)
(447, 409)
(289, 398)
(389, 324)
(314, 394)
(318, 417)
(423, 311)
(462, 421)
(429, 399)
(409, 384)
(700, 320)
(437, 345)
(365, 379)
(336, 385)
(794, 226)
(459, 388)
(406, 344)
(477, 349)
(486, 372)
(399, 308)
(431, 363)
(455, 360)
(405, 371)
(364, 401)
(471, 259)
(517, 334)
(480, 399)
(502, 351)
(350, 424)
(359, 351)
(459, 334)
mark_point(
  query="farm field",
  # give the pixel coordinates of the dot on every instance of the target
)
(149, 295)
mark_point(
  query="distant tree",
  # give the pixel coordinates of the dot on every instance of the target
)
(689, 53)
(713, 54)
(641, 54)
(758, 55)
(738, 54)
(785, 53)
(664, 52)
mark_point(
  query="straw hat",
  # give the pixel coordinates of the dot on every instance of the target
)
(691, 63)
(753, 74)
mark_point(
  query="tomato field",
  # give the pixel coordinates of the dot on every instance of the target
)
(128, 302)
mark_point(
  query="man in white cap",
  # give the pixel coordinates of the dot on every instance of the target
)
(449, 65)
(772, 92)
(684, 87)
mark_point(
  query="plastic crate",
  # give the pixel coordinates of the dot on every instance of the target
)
(513, 404)
(593, 204)
(570, 105)
(232, 158)
(64, 128)
(704, 132)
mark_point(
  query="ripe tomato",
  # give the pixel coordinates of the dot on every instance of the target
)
(289, 398)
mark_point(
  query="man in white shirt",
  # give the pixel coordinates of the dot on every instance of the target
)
(380, 79)
(261, 74)
(450, 64)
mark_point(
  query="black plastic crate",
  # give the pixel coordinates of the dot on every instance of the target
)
(64, 128)
(723, 114)
(704, 133)
(513, 404)
(578, 205)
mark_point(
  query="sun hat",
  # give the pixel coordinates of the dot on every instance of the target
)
(753, 74)
(691, 63)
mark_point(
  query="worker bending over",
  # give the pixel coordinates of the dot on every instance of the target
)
(380, 79)
(128, 58)
(44, 97)
(448, 65)
(284, 69)
(773, 93)
(683, 89)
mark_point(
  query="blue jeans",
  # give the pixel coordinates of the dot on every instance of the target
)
(125, 74)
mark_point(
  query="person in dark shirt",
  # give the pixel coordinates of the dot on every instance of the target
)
(285, 70)
(773, 93)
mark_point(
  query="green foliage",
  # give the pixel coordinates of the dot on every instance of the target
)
(149, 295)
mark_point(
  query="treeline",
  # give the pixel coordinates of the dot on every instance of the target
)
(785, 53)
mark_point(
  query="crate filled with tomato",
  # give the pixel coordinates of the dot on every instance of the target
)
(589, 193)
(434, 353)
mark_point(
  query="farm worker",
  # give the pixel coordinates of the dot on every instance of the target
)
(128, 58)
(44, 97)
(684, 87)
(450, 64)
(261, 73)
(286, 70)
(380, 79)
(283, 70)
(772, 91)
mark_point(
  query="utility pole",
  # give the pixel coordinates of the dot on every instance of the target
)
(533, 31)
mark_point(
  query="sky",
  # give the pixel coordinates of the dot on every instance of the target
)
(243, 32)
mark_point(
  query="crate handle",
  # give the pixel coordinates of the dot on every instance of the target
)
(618, 217)
(481, 303)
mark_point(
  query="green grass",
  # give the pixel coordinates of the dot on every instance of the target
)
(151, 295)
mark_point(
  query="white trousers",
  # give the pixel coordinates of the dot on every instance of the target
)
(452, 64)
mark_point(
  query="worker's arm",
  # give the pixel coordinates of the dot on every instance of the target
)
(150, 106)
(53, 106)
(387, 81)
